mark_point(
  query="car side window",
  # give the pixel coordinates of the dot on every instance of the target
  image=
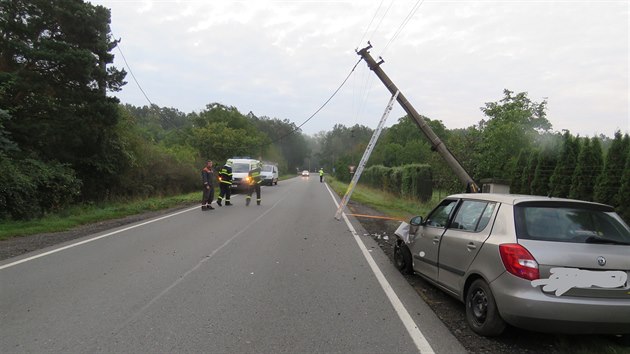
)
(468, 215)
(440, 215)
(485, 217)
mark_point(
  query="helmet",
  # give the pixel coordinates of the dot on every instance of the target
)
(259, 165)
(229, 163)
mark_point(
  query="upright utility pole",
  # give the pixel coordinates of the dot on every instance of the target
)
(435, 141)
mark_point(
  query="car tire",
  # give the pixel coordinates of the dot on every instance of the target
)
(402, 257)
(482, 313)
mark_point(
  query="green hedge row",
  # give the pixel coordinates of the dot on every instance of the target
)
(410, 181)
(30, 188)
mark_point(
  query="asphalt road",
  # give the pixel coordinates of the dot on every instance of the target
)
(281, 277)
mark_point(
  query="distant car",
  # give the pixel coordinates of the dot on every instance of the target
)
(305, 173)
(269, 173)
(539, 263)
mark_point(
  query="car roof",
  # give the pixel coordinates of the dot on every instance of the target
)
(513, 199)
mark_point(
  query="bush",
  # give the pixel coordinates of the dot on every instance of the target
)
(409, 181)
(30, 188)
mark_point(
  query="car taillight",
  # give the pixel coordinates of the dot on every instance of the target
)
(518, 261)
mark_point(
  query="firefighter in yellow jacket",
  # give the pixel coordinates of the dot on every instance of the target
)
(225, 182)
(254, 179)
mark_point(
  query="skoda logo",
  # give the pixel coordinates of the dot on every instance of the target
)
(601, 261)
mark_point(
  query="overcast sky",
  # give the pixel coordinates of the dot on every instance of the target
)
(284, 59)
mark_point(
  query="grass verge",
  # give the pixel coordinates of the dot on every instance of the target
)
(86, 214)
(388, 204)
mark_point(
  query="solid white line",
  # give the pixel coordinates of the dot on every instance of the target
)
(92, 239)
(418, 338)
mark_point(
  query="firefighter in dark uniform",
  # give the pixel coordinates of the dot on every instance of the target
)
(207, 176)
(225, 183)
(255, 179)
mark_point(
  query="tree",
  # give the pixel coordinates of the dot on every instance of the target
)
(54, 75)
(589, 166)
(621, 200)
(560, 181)
(607, 184)
(517, 172)
(513, 124)
(527, 176)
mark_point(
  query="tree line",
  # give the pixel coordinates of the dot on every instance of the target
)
(63, 140)
(514, 144)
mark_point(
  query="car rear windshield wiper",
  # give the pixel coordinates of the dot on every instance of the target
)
(595, 239)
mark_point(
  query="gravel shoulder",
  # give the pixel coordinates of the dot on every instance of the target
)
(448, 309)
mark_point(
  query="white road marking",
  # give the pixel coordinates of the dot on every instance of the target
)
(93, 239)
(418, 338)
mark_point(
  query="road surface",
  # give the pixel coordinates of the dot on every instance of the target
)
(284, 276)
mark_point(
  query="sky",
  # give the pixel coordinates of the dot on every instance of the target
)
(285, 59)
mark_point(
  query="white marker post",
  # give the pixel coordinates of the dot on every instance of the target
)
(366, 156)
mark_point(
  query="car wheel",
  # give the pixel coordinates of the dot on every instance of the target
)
(482, 313)
(402, 257)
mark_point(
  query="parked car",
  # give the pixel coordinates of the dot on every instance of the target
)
(269, 174)
(539, 263)
(305, 173)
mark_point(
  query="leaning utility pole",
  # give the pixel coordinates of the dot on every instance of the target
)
(435, 141)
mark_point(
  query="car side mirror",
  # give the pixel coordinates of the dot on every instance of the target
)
(414, 223)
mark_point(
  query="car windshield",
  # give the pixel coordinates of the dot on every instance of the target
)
(240, 167)
(579, 223)
(267, 168)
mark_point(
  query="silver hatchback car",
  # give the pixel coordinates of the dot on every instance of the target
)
(544, 264)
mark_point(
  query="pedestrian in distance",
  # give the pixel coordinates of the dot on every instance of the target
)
(207, 176)
(321, 175)
(225, 183)
(254, 179)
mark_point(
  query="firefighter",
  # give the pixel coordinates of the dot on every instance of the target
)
(225, 183)
(255, 179)
(207, 176)
(321, 175)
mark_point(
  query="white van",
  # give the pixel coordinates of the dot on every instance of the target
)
(269, 173)
(240, 170)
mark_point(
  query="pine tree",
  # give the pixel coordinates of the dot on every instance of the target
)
(622, 199)
(517, 172)
(607, 184)
(588, 169)
(545, 167)
(528, 172)
(560, 181)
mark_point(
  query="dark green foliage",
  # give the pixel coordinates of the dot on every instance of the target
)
(53, 83)
(589, 166)
(517, 172)
(30, 188)
(513, 125)
(607, 184)
(560, 181)
(408, 181)
(622, 201)
(527, 176)
(547, 160)
(287, 138)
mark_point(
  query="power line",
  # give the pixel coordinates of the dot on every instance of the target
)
(320, 108)
(410, 15)
(131, 72)
(370, 24)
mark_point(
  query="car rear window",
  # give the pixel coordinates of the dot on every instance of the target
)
(570, 222)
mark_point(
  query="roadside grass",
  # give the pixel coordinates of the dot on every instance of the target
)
(91, 213)
(388, 204)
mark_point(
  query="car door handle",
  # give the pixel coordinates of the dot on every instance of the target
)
(471, 246)
(436, 239)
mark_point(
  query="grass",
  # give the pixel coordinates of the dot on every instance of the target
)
(86, 214)
(388, 204)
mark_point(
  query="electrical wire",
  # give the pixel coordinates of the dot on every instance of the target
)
(319, 109)
(131, 72)
(372, 20)
(410, 15)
